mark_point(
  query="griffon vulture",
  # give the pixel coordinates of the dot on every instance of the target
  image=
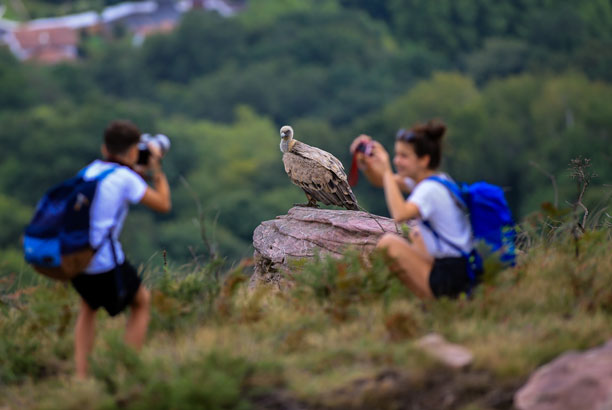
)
(318, 173)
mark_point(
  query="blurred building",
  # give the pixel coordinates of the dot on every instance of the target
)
(42, 44)
(51, 40)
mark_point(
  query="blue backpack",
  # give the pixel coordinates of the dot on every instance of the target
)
(56, 241)
(490, 218)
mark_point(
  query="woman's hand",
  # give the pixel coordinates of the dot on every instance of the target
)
(362, 138)
(379, 162)
(359, 155)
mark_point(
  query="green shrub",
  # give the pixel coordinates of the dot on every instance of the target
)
(182, 297)
(213, 380)
(340, 283)
(35, 328)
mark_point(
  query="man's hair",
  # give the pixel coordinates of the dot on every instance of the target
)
(120, 135)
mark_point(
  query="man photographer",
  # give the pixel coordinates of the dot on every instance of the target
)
(109, 280)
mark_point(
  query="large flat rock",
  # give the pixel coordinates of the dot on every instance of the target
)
(304, 232)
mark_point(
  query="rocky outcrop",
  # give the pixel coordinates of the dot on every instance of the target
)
(304, 232)
(572, 381)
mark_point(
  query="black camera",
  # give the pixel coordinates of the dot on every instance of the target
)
(365, 147)
(160, 140)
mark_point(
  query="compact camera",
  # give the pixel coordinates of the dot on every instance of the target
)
(365, 147)
(159, 140)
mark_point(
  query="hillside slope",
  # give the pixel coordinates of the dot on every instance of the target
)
(342, 337)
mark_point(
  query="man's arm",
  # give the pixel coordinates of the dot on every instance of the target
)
(158, 197)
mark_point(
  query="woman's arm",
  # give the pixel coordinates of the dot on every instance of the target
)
(399, 209)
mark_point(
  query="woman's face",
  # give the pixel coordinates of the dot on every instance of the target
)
(406, 161)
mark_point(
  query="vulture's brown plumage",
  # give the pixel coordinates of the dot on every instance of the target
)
(317, 172)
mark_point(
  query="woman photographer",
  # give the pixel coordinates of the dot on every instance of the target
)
(428, 265)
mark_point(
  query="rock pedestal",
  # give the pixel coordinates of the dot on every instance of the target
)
(304, 232)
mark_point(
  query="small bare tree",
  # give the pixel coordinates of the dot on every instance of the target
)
(580, 171)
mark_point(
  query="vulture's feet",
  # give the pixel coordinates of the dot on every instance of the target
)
(308, 205)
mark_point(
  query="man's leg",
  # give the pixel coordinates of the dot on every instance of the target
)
(411, 262)
(84, 335)
(136, 329)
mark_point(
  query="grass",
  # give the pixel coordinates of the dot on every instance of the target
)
(214, 343)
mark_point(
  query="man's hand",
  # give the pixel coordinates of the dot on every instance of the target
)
(153, 167)
(154, 164)
(157, 198)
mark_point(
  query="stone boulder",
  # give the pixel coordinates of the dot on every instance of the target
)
(450, 354)
(304, 232)
(572, 381)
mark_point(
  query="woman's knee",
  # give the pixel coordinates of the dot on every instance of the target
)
(387, 240)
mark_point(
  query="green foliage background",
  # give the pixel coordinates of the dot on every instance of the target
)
(517, 82)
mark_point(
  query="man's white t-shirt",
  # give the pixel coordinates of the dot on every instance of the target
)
(114, 193)
(437, 206)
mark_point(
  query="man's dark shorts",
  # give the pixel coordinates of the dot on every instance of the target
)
(103, 289)
(449, 277)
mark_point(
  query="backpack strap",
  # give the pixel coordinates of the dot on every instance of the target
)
(454, 189)
(121, 290)
(99, 178)
(101, 175)
(456, 194)
(118, 277)
(472, 258)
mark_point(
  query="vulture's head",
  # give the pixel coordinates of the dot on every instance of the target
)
(286, 133)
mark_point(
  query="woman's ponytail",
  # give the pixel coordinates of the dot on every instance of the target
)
(435, 130)
(426, 140)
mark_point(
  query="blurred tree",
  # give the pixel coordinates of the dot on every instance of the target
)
(499, 57)
(558, 29)
(202, 44)
(115, 70)
(378, 9)
(14, 216)
(55, 142)
(264, 14)
(14, 83)
(534, 88)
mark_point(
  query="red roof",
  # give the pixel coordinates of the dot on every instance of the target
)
(45, 37)
(52, 55)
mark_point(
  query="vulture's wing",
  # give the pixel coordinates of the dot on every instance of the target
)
(313, 175)
(324, 158)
